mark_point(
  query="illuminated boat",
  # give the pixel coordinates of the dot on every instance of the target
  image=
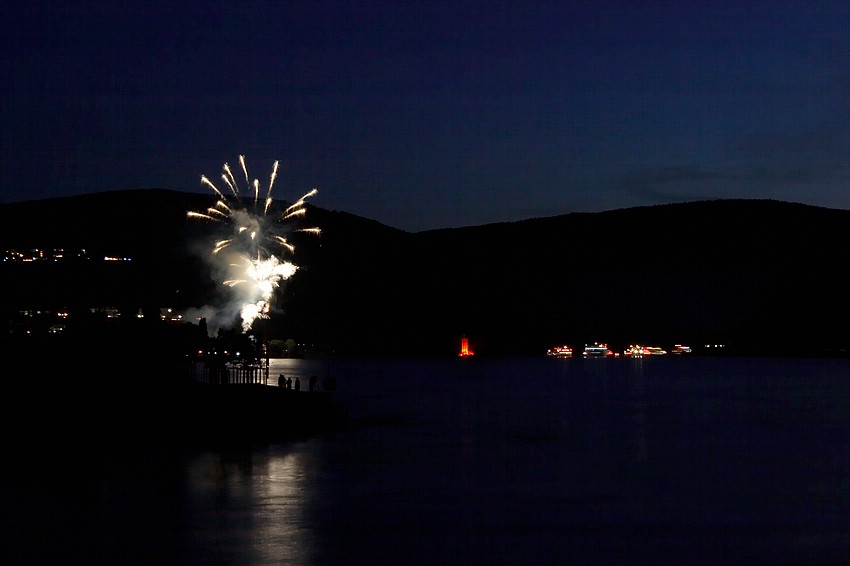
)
(597, 350)
(681, 349)
(563, 351)
(637, 351)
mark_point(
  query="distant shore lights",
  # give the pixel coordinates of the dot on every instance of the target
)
(464, 348)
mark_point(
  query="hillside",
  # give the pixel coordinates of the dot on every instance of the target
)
(761, 276)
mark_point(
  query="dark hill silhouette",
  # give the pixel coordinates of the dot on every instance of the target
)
(763, 276)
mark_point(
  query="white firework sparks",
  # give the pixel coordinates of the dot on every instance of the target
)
(254, 268)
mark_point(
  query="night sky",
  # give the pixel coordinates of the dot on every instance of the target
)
(432, 114)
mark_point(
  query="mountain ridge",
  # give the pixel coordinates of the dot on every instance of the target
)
(762, 275)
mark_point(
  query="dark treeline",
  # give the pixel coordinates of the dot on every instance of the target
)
(763, 277)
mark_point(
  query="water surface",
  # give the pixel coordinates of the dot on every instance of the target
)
(675, 459)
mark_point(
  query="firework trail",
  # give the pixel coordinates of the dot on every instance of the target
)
(252, 255)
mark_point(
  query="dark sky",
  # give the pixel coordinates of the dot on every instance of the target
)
(432, 114)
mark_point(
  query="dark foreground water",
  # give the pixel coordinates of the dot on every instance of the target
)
(673, 460)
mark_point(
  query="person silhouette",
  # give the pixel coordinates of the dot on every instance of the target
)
(297, 384)
(313, 379)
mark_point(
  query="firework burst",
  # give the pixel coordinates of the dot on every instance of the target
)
(254, 249)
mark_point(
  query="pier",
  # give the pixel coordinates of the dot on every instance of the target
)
(232, 373)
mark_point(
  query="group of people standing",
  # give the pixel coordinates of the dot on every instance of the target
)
(288, 383)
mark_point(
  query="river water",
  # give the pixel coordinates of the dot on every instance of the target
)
(666, 460)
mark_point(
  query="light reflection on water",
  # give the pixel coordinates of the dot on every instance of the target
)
(302, 369)
(258, 499)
